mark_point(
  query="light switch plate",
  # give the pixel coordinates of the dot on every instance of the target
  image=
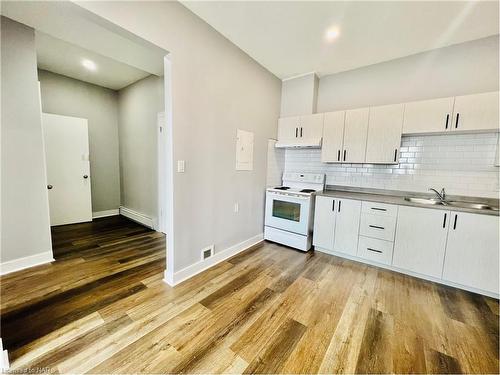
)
(181, 164)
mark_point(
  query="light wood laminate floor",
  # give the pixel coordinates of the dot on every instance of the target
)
(102, 307)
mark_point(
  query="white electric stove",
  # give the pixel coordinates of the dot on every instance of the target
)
(290, 209)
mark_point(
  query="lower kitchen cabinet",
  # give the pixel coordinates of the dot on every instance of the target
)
(336, 224)
(324, 222)
(347, 226)
(472, 251)
(420, 240)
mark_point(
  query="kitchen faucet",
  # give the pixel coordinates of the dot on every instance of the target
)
(441, 195)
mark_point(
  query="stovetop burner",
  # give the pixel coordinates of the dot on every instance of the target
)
(307, 191)
(282, 188)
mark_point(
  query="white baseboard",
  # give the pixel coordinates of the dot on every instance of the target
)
(137, 216)
(26, 262)
(4, 358)
(198, 267)
(106, 213)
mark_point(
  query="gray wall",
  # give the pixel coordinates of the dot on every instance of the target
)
(69, 97)
(139, 105)
(299, 95)
(460, 69)
(216, 89)
(25, 227)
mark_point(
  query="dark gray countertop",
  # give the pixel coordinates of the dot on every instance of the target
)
(397, 197)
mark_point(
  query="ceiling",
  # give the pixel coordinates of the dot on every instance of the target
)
(64, 58)
(288, 38)
(70, 23)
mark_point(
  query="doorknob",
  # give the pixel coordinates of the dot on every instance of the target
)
(49, 187)
(85, 176)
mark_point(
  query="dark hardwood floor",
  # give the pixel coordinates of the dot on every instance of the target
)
(102, 307)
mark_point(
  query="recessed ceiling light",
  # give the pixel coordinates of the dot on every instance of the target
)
(332, 33)
(89, 64)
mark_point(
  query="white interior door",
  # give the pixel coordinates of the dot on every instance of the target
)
(68, 168)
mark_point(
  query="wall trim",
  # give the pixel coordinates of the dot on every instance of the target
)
(198, 267)
(137, 216)
(300, 76)
(409, 273)
(105, 213)
(4, 357)
(26, 262)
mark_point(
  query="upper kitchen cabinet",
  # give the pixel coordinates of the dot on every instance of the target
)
(355, 134)
(428, 116)
(476, 112)
(333, 137)
(300, 131)
(468, 113)
(384, 134)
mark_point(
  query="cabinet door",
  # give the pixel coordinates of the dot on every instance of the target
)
(311, 126)
(333, 137)
(472, 251)
(384, 134)
(355, 134)
(476, 112)
(420, 240)
(428, 116)
(347, 226)
(288, 129)
(324, 222)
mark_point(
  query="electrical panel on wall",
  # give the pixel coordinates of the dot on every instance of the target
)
(244, 150)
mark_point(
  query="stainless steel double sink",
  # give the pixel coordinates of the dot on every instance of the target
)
(438, 202)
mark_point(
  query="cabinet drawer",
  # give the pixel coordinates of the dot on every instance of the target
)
(381, 209)
(376, 250)
(375, 226)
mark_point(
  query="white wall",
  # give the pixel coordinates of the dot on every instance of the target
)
(216, 88)
(69, 97)
(461, 163)
(299, 95)
(25, 227)
(138, 106)
(460, 69)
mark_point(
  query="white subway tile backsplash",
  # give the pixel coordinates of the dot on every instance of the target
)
(461, 163)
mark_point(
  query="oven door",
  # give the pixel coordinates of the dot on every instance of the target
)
(290, 213)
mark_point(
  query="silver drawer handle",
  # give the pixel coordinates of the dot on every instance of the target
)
(374, 250)
(376, 226)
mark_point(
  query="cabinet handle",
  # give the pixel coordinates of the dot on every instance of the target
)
(456, 121)
(447, 119)
(395, 154)
(338, 156)
(296, 132)
(374, 250)
(378, 209)
(345, 151)
(455, 223)
(339, 205)
(444, 221)
(333, 206)
(376, 227)
(301, 132)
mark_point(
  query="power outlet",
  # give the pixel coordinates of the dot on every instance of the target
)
(236, 207)
(207, 252)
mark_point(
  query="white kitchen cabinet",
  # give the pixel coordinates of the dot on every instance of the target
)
(384, 134)
(428, 116)
(476, 112)
(472, 251)
(333, 137)
(347, 226)
(324, 222)
(355, 134)
(288, 129)
(420, 240)
(375, 250)
(311, 126)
